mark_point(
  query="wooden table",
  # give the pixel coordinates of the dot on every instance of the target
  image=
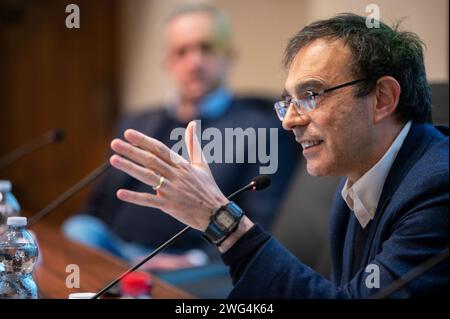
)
(97, 269)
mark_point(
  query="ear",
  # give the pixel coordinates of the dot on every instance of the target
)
(387, 97)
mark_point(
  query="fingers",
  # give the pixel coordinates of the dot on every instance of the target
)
(142, 199)
(142, 157)
(193, 145)
(154, 146)
(142, 174)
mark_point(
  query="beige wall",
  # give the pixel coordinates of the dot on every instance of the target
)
(261, 30)
(429, 19)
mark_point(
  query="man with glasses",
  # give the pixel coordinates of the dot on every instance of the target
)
(358, 102)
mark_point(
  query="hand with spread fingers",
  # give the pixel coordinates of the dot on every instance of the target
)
(185, 190)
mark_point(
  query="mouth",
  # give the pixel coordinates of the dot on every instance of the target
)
(307, 144)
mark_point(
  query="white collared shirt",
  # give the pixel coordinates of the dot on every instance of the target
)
(362, 196)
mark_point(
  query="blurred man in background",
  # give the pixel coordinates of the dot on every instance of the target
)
(197, 58)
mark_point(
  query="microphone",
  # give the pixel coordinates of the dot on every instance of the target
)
(258, 183)
(261, 182)
(50, 137)
(69, 193)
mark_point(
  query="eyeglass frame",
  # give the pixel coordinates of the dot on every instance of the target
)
(311, 98)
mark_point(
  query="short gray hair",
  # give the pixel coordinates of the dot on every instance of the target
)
(221, 20)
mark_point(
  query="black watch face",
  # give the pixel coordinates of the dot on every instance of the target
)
(225, 219)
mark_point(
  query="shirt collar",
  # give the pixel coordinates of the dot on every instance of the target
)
(211, 107)
(362, 196)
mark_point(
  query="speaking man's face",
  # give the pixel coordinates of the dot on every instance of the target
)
(337, 136)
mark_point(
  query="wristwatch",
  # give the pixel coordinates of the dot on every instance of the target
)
(223, 222)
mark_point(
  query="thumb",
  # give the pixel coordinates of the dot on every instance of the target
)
(193, 145)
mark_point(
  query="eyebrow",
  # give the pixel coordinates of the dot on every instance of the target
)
(303, 86)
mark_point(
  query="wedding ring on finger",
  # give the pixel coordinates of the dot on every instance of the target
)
(161, 182)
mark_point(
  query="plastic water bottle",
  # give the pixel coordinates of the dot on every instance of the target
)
(8, 204)
(18, 255)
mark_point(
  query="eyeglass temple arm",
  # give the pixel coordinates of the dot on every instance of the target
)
(339, 86)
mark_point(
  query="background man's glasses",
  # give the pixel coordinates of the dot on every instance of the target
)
(307, 102)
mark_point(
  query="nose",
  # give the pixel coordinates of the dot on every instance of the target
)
(293, 119)
(195, 57)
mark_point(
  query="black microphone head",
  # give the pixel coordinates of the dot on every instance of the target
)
(261, 182)
(57, 135)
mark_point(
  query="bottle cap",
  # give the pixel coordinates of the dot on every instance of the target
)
(5, 186)
(17, 221)
(81, 295)
(136, 284)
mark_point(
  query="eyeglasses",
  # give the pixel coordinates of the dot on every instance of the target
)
(307, 102)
